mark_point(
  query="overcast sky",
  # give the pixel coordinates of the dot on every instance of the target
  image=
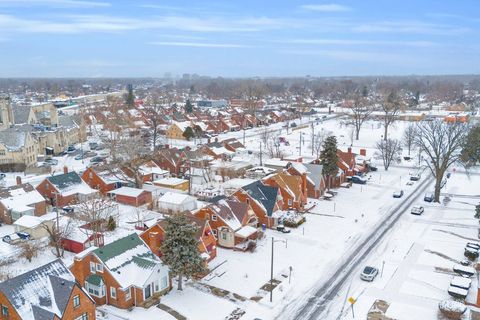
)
(71, 38)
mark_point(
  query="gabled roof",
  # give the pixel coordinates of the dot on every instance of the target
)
(40, 293)
(21, 113)
(129, 260)
(266, 196)
(65, 180)
(289, 183)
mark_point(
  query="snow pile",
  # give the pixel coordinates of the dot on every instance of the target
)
(452, 309)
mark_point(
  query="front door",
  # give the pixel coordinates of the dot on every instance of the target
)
(148, 291)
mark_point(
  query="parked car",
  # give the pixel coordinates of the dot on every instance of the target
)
(358, 180)
(68, 209)
(50, 162)
(93, 145)
(2, 175)
(293, 125)
(16, 237)
(71, 149)
(369, 273)
(282, 229)
(96, 159)
(89, 154)
(415, 177)
(80, 157)
(417, 210)
(428, 197)
(398, 194)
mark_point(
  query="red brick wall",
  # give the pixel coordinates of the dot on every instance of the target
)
(48, 194)
(13, 315)
(95, 182)
(86, 305)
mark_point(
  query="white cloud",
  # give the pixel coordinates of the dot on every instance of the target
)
(197, 44)
(414, 27)
(352, 42)
(331, 7)
(350, 55)
(54, 3)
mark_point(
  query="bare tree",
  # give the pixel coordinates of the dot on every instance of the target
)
(57, 232)
(389, 150)
(317, 143)
(391, 108)
(442, 143)
(95, 213)
(30, 249)
(360, 112)
(252, 92)
(153, 113)
(408, 138)
(273, 148)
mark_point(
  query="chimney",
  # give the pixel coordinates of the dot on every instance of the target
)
(167, 146)
(65, 169)
(208, 140)
(216, 139)
(154, 242)
(363, 152)
(349, 149)
(19, 180)
(304, 183)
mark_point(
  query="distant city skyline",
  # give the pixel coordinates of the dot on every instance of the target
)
(128, 38)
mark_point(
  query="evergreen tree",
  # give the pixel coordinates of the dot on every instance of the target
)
(188, 133)
(179, 249)
(188, 107)
(130, 98)
(111, 224)
(329, 158)
(471, 147)
(477, 211)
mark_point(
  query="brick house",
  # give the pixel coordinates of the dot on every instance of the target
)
(131, 196)
(233, 222)
(316, 184)
(124, 273)
(47, 292)
(102, 181)
(65, 189)
(20, 200)
(155, 235)
(292, 188)
(263, 199)
(170, 159)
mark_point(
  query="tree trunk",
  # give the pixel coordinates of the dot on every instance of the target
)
(357, 134)
(180, 279)
(386, 132)
(437, 189)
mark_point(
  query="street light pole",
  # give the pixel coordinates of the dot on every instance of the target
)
(271, 265)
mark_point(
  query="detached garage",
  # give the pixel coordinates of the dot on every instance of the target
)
(172, 202)
(131, 196)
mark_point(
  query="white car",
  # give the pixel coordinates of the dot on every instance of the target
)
(369, 273)
(417, 210)
(398, 194)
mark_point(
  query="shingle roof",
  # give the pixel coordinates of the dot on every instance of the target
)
(266, 195)
(39, 293)
(65, 180)
(21, 113)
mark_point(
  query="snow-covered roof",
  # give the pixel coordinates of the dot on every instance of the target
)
(170, 181)
(27, 221)
(245, 231)
(461, 282)
(176, 198)
(127, 191)
(129, 259)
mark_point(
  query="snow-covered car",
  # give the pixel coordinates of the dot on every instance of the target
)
(428, 197)
(2, 176)
(80, 157)
(50, 162)
(369, 273)
(358, 180)
(418, 210)
(282, 229)
(398, 194)
(410, 183)
(16, 237)
(415, 177)
(71, 149)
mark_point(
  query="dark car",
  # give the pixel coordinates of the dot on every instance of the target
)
(2, 175)
(428, 197)
(282, 229)
(358, 180)
(71, 149)
(96, 159)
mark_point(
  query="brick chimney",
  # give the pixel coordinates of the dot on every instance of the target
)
(363, 152)
(154, 242)
(19, 180)
(349, 149)
(65, 169)
(304, 183)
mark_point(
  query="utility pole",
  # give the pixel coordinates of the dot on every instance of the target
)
(300, 148)
(313, 136)
(271, 265)
(261, 163)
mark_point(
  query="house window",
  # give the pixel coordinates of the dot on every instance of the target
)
(99, 267)
(214, 217)
(97, 291)
(5, 311)
(164, 282)
(157, 287)
(214, 232)
(92, 267)
(2, 152)
(82, 317)
(113, 293)
(289, 202)
(76, 301)
(90, 175)
(224, 235)
(128, 295)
